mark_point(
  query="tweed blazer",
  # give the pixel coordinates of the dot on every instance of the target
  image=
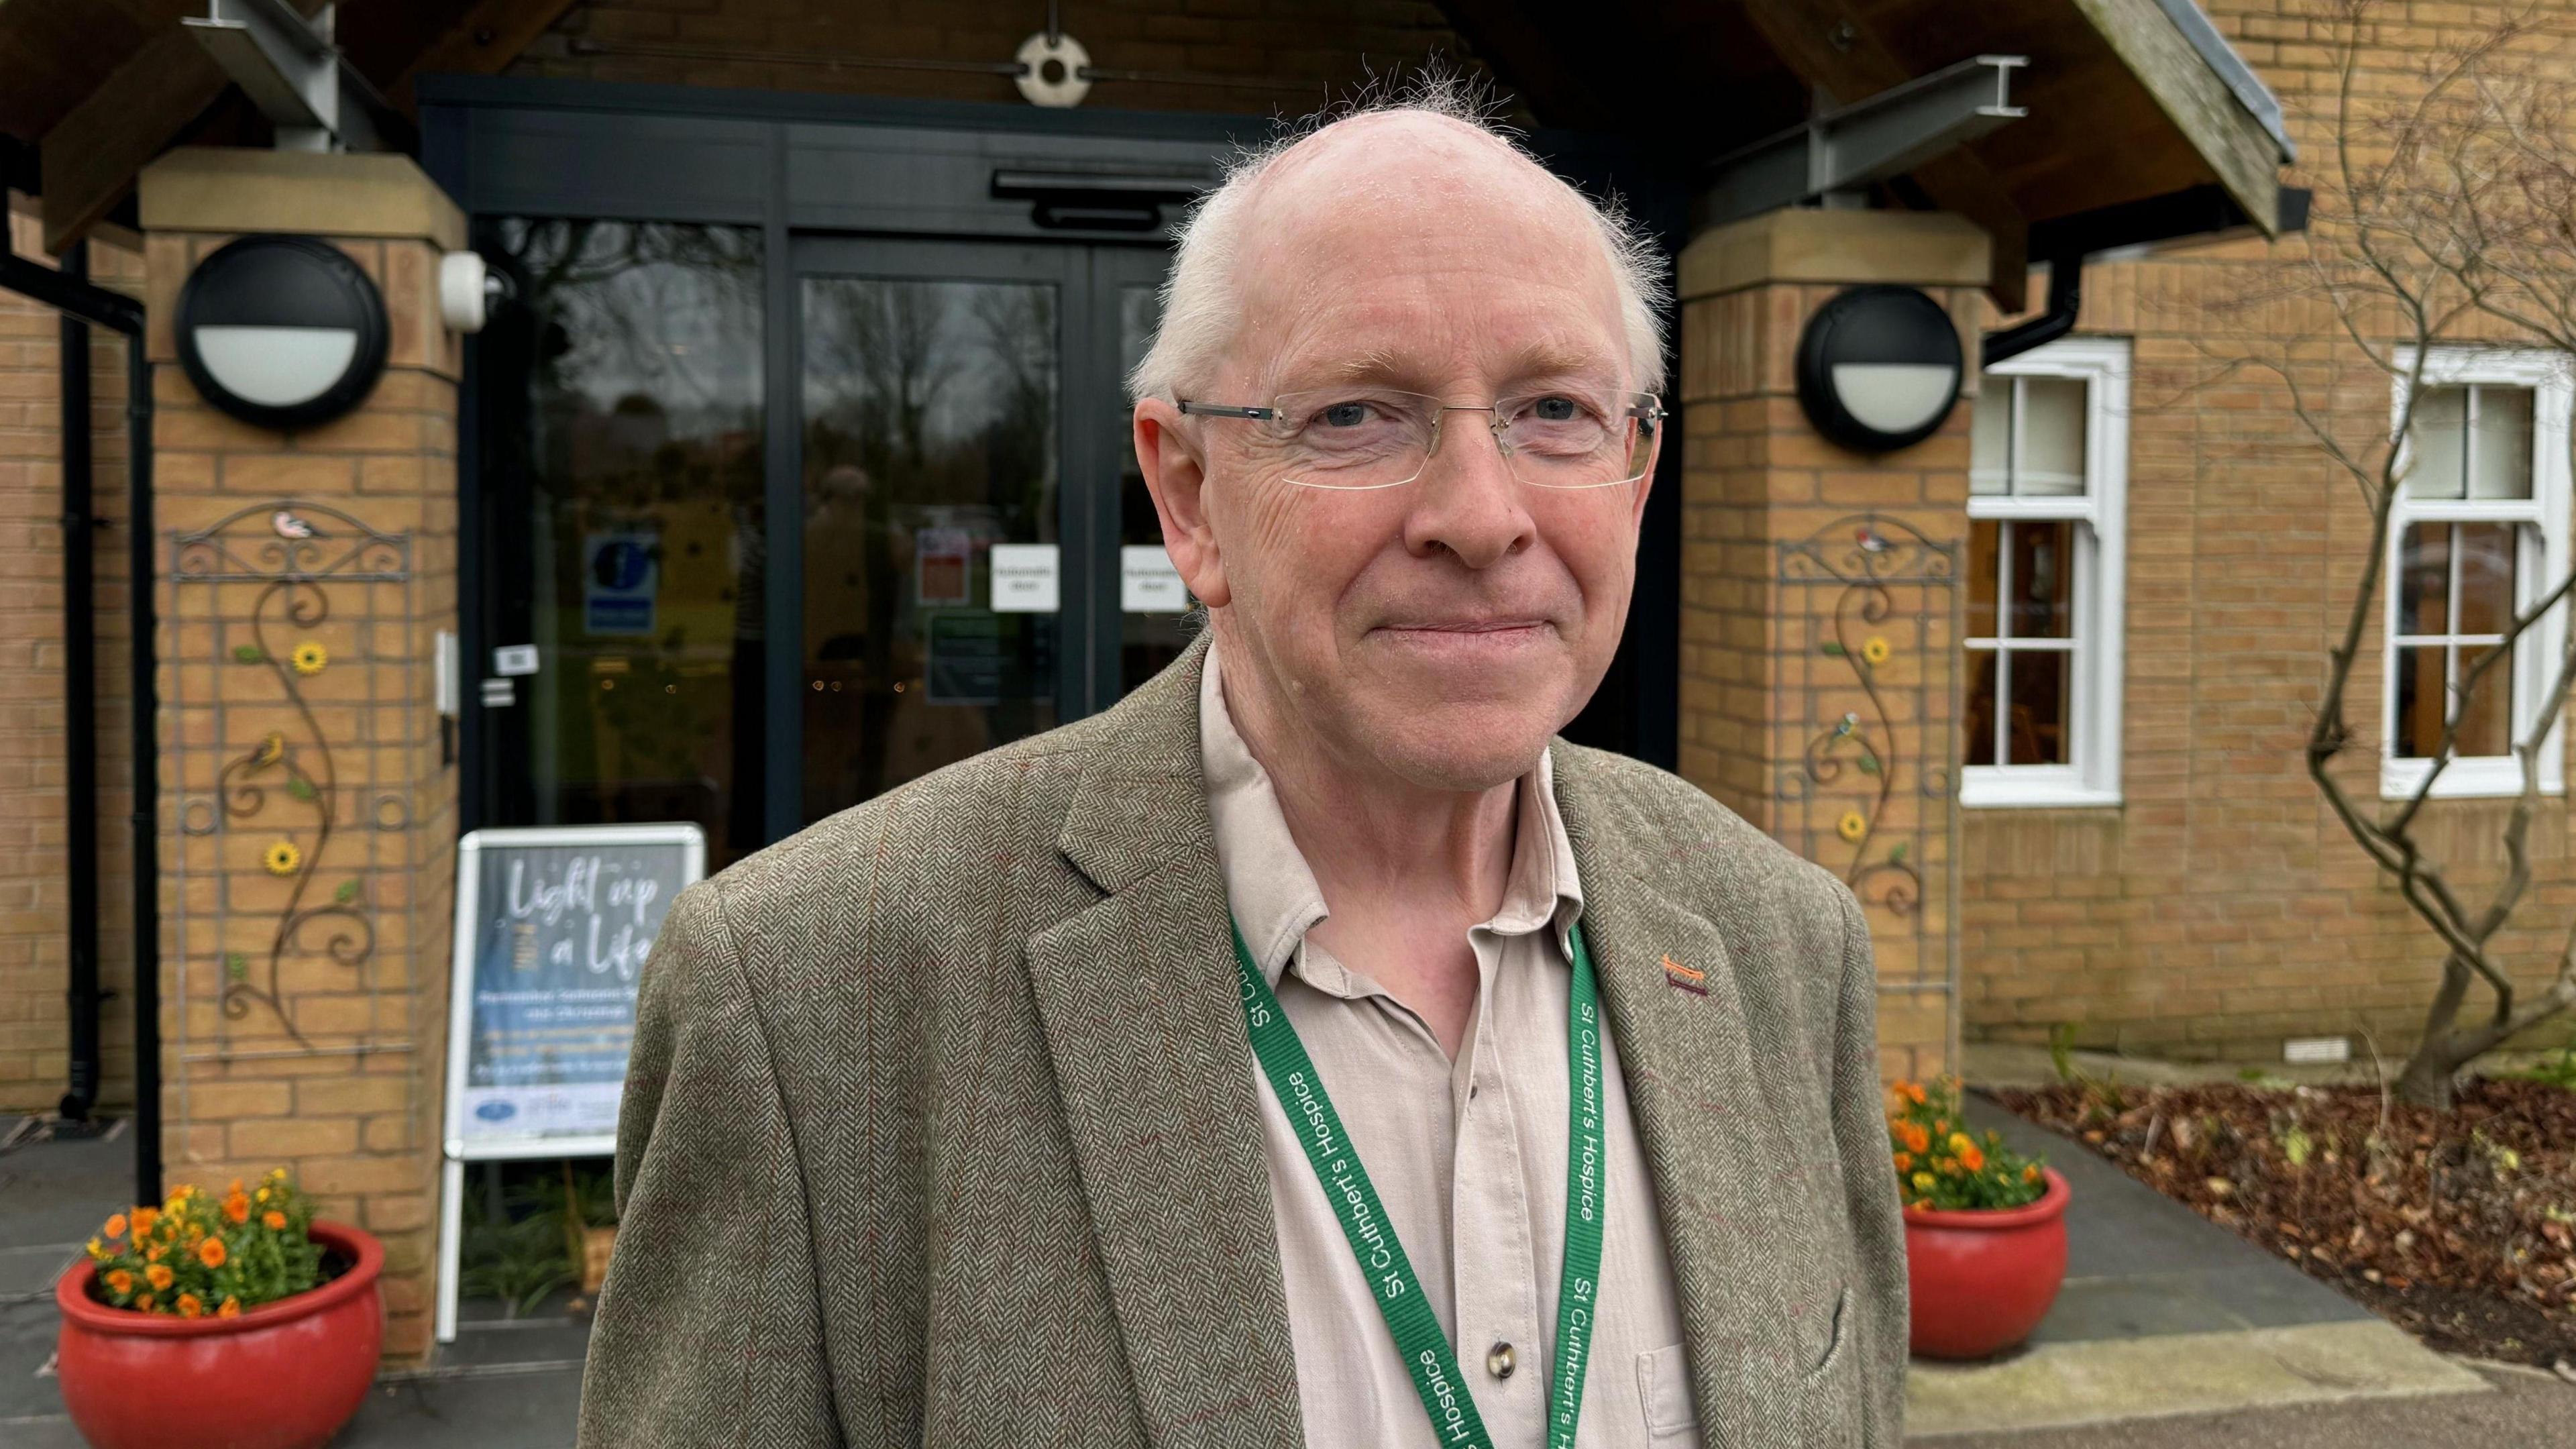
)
(940, 1126)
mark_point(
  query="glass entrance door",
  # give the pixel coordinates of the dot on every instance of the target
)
(695, 609)
(961, 412)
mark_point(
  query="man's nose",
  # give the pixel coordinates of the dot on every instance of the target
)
(1467, 500)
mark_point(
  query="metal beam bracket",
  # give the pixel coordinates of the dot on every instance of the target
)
(293, 71)
(1867, 141)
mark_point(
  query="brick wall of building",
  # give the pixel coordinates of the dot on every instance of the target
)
(2221, 907)
(34, 873)
(1238, 56)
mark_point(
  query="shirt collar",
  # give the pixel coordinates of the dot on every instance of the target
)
(1272, 890)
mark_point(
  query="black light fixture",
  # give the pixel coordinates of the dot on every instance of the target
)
(282, 331)
(1879, 368)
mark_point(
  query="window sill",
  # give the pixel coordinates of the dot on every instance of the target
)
(1991, 788)
(2497, 777)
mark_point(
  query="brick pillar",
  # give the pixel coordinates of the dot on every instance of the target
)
(308, 815)
(1769, 677)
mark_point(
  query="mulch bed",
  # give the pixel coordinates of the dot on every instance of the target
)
(2459, 1228)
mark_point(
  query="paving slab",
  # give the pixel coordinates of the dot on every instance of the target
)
(2114, 1380)
(2166, 1313)
(2526, 1409)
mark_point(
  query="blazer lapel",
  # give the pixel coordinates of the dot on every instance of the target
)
(1138, 998)
(1727, 1176)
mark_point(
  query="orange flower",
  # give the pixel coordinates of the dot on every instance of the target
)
(1946, 1166)
(121, 1281)
(1916, 1139)
(116, 1225)
(1972, 1158)
(159, 1275)
(1913, 1090)
(211, 1252)
(236, 1208)
(144, 1302)
(190, 1306)
(2030, 1173)
(153, 1253)
(274, 1220)
(231, 1309)
(1905, 1162)
(144, 1218)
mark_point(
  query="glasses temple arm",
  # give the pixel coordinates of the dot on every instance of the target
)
(1222, 410)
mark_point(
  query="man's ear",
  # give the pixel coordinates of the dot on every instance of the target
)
(1176, 474)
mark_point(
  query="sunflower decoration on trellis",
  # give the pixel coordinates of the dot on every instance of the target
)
(299, 766)
(1865, 739)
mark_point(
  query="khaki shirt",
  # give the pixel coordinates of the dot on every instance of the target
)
(1468, 1156)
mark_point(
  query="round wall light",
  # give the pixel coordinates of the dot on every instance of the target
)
(1879, 368)
(282, 331)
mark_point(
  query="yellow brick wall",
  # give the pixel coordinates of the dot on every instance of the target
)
(34, 873)
(2221, 907)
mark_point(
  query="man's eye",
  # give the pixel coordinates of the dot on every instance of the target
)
(1344, 415)
(1555, 410)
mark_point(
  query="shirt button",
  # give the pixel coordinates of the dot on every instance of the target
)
(1500, 1361)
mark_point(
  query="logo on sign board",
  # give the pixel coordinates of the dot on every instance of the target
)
(497, 1110)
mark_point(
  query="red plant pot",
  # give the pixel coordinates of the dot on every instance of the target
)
(284, 1375)
(1983, 1278)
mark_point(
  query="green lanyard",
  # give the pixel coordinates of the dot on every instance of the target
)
(1427, 1354)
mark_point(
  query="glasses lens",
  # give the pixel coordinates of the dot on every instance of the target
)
(1571, 438)
(1354, 437)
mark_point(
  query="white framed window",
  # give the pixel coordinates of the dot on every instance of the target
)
(2476, 536)
(2047, 514)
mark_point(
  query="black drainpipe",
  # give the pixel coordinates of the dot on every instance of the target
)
(102, 308)
(80, 704)
(2065, 299)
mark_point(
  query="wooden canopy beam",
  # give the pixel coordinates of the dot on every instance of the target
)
(486, 38)
(92, 154)
(2244, 155)
(1829, 46)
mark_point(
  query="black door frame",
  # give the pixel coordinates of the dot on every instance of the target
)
(1085, 275)
(802, 167)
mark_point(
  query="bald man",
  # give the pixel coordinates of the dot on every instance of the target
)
(1313, 1048)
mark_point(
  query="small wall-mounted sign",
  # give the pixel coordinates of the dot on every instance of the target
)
(514, 659)
(2315, 1049)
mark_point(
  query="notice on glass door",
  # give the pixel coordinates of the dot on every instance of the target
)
(939, 566)
(1147, 582)
(1024, 578)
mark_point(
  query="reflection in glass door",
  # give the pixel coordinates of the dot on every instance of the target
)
(1152, 602)
(970, 557)
(934, 570)
(620, 461)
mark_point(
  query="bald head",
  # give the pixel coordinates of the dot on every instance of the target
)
(1308, 215)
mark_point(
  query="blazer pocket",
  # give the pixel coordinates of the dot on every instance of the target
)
(1838, 1332)
(1663, 1386)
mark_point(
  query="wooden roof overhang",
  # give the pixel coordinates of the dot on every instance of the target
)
(2142, 124)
